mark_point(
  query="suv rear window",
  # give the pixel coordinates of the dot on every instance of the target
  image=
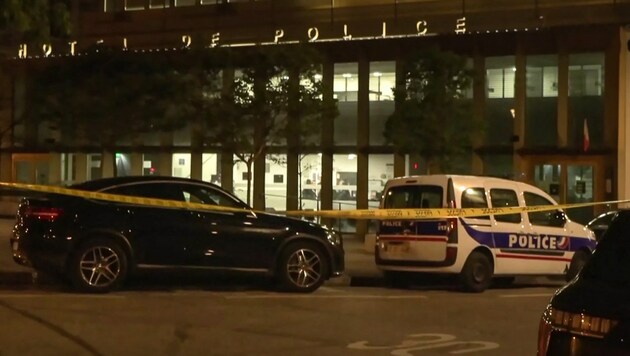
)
(414, 196)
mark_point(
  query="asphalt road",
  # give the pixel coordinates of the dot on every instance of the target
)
(249, 321)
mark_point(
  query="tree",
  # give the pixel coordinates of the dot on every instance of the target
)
(111, 95)
(433, 118)
(276, 101)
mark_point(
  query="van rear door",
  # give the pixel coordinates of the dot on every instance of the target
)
(413, 240)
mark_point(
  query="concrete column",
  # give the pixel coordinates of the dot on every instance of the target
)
(259, 182)
(328, 128)
(6, 167)
(80, 167)
(165, 164)
(107, 164)
(479, 103)
(363, 142)
(227, 171)
(196, 163)
(623, 138)
(563, 98)
(520, 91)
(54, 169)
(137, 162)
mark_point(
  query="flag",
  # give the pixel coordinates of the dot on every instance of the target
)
(587, 140)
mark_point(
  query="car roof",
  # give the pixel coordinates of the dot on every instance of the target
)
(102, 183)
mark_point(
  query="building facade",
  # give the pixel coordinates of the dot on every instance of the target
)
(552, 86)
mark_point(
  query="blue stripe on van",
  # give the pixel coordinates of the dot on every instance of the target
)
(515, 240)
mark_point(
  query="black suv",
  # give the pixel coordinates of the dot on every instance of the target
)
(96, 244)
(591, 314)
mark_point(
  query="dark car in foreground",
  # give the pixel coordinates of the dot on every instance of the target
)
(600, 223)
(97, 244)
(591, 314)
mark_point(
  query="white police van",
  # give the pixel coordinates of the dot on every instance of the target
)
(477, 248)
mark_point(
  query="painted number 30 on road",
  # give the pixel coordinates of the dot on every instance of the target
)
(419, 342)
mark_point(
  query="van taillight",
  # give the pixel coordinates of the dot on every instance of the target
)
(42, 213)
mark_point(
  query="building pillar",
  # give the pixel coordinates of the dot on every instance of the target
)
(563, 98)
(623, 136)
(136, 160)
(328, 128)
(520, 90)
(479, 102)
(6, 167)
(165, 159)
(196, 165)
(54, 169)
(363, 142)
(259, 182)
(227, 171)
(108, 163)
(80, 167)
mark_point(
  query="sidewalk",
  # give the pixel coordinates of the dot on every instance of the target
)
(360, 267)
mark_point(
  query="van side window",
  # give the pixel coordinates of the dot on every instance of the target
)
(413, 196)
(503, 198)
(475, 198)
(543, 218)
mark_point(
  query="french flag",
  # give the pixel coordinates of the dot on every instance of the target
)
(587, 140)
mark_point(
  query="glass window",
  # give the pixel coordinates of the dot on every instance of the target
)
(149, 190)
(203, 195)
(500, 77)
(542, 218)
(181, 165)
(210, 168)
(380, 170)
(346, 87)
(345, 187)
(414, 196)
(475, 198)
(586, 101)
(185, 2)
(150, 163)
(309, 175)
(275, 182)
(132, 5)
(240, 180)
(499, 112)
(159, 4)
(541, 108)
(123, 164)
(503, 198)
(382, 83)
(94, 166)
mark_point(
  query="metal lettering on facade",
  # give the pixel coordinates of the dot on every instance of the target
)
(312, 35)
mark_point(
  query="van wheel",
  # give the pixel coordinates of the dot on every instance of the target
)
(579, 260)
(476, 275)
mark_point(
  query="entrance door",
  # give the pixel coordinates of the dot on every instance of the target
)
(31, 168)
(568, 183)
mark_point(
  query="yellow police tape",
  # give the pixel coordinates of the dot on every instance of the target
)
(358, 214)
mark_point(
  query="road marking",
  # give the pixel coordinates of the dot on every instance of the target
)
(317, 296)
(533, 295)
(417, 342)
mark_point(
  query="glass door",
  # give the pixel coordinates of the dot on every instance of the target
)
(31, 168)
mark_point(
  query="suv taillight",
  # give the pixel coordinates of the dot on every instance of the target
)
(42, 213)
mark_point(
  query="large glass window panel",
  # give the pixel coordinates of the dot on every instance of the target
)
(276, 182)
(586, 100)
(346, 87)
(382, 83)
(541, 110)
(181, 165)
(210, 168)
(150, 164)
(309, 177)
(380, 170)
(123, 164)
(240, 180)
(132, 5)
(185, 2)
(159, 4)
(94, 166)
(499, 111)
(345, 188)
